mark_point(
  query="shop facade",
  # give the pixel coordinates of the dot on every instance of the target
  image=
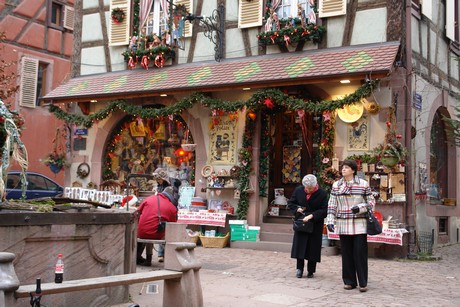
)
(260, 119)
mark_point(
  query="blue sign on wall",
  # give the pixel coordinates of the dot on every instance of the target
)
(81, 131)
(417, 102)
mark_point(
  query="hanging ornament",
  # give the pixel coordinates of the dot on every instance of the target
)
(131, 63)
(252, 115)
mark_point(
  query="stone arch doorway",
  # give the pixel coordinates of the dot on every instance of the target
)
(138, 145)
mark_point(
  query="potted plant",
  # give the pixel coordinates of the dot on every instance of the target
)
(55, 161)
(391, 151)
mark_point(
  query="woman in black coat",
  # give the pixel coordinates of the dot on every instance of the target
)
(310, 203)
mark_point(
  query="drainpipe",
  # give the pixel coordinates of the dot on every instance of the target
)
(410, 212)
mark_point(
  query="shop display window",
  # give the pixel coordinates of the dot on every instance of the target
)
(140, 146)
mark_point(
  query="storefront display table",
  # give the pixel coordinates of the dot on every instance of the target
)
(388, 236)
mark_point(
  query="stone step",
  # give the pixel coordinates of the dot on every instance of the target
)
(276, 237)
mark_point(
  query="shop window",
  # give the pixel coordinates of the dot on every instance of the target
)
(439, 179)
(140, 146)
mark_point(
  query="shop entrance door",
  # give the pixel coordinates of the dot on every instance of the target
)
(291, 157)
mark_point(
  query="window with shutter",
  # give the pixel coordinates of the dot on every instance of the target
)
(188, 27)
(451, 20)
(69, 15)
(329, 8)
(119, 32)
(28, 90)
(250, 13)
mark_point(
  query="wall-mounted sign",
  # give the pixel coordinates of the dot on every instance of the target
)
(417, 102)
(81, 131)
(79, 144)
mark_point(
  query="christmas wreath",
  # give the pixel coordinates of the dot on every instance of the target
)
(83, 170)
(330, 175)
(118, 15)
(180, 10)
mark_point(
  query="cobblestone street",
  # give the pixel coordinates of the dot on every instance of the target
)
(241, 277)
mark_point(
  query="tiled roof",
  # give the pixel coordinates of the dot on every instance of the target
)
(277, 68)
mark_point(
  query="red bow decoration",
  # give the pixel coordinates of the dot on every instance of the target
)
(287, 40)
(145, 62)
(131, 63)
(159, 61)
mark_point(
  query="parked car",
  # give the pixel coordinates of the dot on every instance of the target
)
(38, 186)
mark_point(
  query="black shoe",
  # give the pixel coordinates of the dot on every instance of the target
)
(310, 275)
(299, 273)
(140, 261)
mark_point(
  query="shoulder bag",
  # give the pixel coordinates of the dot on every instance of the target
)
(373, 226)
(161, 225)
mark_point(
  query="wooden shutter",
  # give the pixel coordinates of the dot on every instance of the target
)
(450, 20)
(250, 13)
(427, 8)
(28, 90)
(188, 27)
(329, 8)
(69, 15)
(119, 32)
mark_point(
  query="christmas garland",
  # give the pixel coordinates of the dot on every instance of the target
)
(118, 15)
(136, 9)
(292, 35)
(265, 145)
(254, 103)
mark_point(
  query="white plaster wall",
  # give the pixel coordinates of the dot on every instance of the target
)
(334, 31)
(415, 35)
(374, 22)
(92, 60)
(89, 4)
(234, 44)
(92, 30)
(204, 49)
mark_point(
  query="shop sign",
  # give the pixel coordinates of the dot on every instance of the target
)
(417, 102)
(81, 132)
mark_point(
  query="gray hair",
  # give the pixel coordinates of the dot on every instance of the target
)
(309, 181)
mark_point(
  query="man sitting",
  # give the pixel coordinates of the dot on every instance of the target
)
(148, 213)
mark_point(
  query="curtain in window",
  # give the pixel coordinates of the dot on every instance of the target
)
(275, 4)
(165, 7)
(144, 11)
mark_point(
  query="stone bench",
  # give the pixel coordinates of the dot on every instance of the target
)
(182, 285)
(98, 282)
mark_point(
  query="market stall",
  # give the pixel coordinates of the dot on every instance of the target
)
(388, 236)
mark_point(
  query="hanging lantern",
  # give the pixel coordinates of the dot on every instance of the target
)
(252, 115)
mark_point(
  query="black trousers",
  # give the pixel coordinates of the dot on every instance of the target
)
(354, 259)
(311, 266)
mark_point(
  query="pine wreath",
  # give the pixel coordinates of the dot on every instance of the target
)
(118, 15)
(330, 175)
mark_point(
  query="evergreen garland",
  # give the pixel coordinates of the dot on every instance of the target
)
(265, 145)
(254, 103)
(136, 9)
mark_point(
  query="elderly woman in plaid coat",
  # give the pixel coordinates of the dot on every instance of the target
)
(346, 215)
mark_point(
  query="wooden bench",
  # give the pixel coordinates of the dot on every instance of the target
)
(98, 282)
(148, 241)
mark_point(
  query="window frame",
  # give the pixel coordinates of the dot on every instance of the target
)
(50, 23)
(159, 23)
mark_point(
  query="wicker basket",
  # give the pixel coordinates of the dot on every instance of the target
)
(217, 242)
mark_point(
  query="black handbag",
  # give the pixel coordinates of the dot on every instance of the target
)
(161, 225)
(373, 226)
(300, 226)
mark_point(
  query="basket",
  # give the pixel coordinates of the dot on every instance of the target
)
(217, 242)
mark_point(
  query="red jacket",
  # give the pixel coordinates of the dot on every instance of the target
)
(148, 219)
